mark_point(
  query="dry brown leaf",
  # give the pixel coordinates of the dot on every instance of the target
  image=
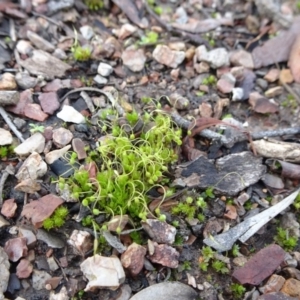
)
(294, 60)
(39, 210)
(203, 25)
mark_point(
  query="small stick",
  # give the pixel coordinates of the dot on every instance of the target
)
(9, 170)
(11, 124)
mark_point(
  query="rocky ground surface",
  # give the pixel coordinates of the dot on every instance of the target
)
(149, 149)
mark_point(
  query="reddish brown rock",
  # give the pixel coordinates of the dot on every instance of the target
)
(274, 284)
(9, 208)
(49, 102)
(291, 287)
(79, 147)
(272, 75)
(165, 255)
(33, 111)
(24, 268)
(225, 86)
(260, 266)
(133, 258)
(25, 98)
(16, 248)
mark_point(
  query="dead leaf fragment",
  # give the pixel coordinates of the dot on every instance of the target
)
(294, 60)
(39, 210)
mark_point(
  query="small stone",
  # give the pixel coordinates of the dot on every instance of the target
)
(286, 76)
(87, 32)
(292, 272)
(134, 59)
(160, 232)
(7, 82)
(62, 137)
(273, 92)
(33, 111)
(177, 46)
(289, 222)
(52, 241)
(242, 58)
(9, 208)
(49, 102)
(60, 54)
(5, 137)
(272, 75)
(263, 84)
(125, 31)
(274, 284)
(171, 58)
(20, 123)
(225, 86)
(102, 272)
(54, 155)
(100, 79)
(39, 279)
(70, 114)
(178, 101)
(25, 81)
(202, 67)
(24, 268)
(165, 255)
(24, 47)
(29, 235)
(40, 42)
(9, 97)
(53, 266)
(104, 69)
(34, 143)
(217, 58)
(133, 258)
(291, 287)
(16, 248)
(44, 64)
(205, 110)
(275, 296)
(81, 241)
(78, 146)
(3, 223)
(32, 168)
(237, 94)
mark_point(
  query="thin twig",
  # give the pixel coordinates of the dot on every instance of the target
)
(9, 170)
(185, 124)
(96, 90)
(11, 124)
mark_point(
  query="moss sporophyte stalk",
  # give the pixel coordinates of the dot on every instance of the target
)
(117, 176)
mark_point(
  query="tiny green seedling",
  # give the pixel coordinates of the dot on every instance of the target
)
(36, 128)
(80, 53)
(284, 239)
(150, 38)
(94, 4)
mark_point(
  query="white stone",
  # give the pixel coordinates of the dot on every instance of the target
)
(61, 295)
(5, 137)
(217, 58)
(34, 143)
(105, 69)
(70, 114)
(24, 47)
(87, 32)
(164, 55)
(32, 168)
(100, 79)
(237, 94)
(54, 155)
(103, 272)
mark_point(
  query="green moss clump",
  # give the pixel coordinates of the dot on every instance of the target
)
(94, 4)
(57, 219)
(81, 54)
(128, 166)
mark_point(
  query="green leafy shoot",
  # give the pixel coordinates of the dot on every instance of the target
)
(36, 128)
(5, 151)
(284, 239)
(235, 250)
(237, 290)
(94, 4)
(220, 267)
(297, 202)
(150, 38)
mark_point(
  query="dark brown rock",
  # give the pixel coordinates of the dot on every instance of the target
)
(260, 266)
